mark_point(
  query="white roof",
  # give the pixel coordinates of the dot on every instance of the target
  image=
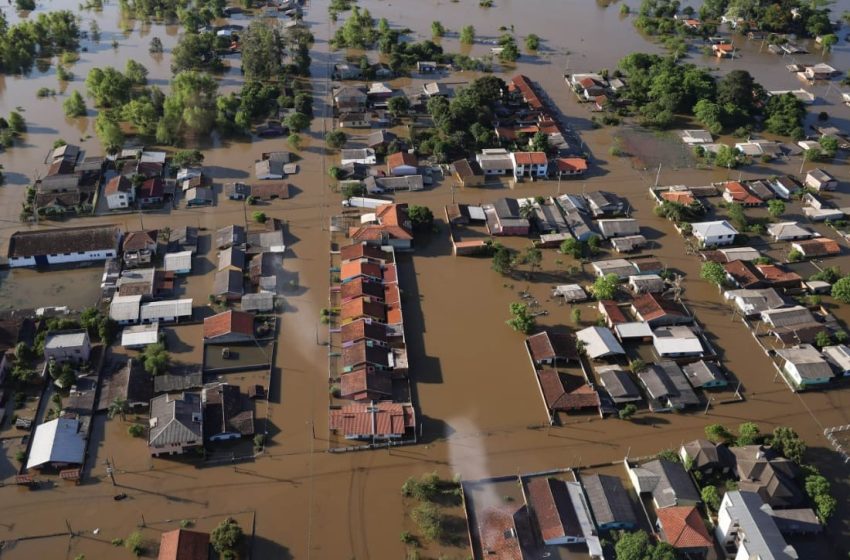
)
(572, 292)
(787, 230)
(73, 339)
(125, 308)
(152, 157)
(165, 309)
(140, 335)
(713, 229)
(838, 355)
(57, 441)
(740, 253)
(178, 261)
(696, 136)
(599, 342)
(676, 340)
(764, 540)
(636, 329)
(476, 213)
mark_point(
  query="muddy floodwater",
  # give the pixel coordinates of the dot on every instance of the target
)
(475, 393)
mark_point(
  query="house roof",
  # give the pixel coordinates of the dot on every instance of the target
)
(647, 282)
(363, 352)
(671, 483)
(552, 506)
(788, 316)
(363, 307)
(267, 190)
(610, 309)
(362, 287)
(137, 335)
(181, 544)
(743, 273)
(229, 322)
(152, 188)
(183, 381)
(676, 340)
(571, 164)
(838, 355)
(807, 361)
(683, 527)
(549, 345)
(618, 384)
(57, 441)
(66, 339)
(651, 307)
(716, 228)
(228, 282)
(599, 342)
(820, 247)
(366, 382)
(680, 197)
(608, 499)
(738, 193)
(262, 301)
(117, 184)
(175, 420)
(231, 257)
(181, 260)
(764, 539)
(139, 240)
(761, 470)
(63, 240)
(362, 329)
(229, 235)
(377, 419)
(530, 158)
(398, 159)
(125, 308)
(165, 309)
(701, 373)
(666, 381)
(363, 250)
(788, 230)
(566, 392)
(705, 454)
(225, 412)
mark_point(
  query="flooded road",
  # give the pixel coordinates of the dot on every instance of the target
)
(472, 382)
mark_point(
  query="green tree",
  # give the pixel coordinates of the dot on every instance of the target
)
(259, 217)
(187, 158)
(521, 319)
(710, 115)
(155, 46)
(637, 365)
(786, 441)
(142, 114)
(828, 146)
(727, 156)
(195, 51)
(136, 73)
(710, 497)
(155, 359)
(532, 42)
(135, 543)
(713, 272)
(841, 290)
(294, 140)
(226, 536)
(572, 247)
(604, 287)
(502, 260)
(748, 434)
(736, 214)
(718, 433)
(575, 314)
(784, 115)
(420, 216)
(637, 545)
(16, 122)
(828, 41)
(822, 339)
(118, 407)
(437, 29)
(108, 87)
(109, 133)
(297, 122)
(627, 412)
(75, 105)
(136, 430)
(336, 139)
(775, 207)
(262, 51)
(532, 256)
(398, 106)
(467, 35)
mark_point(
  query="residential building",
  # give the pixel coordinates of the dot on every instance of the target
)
(529, 164)
(678, 341)
(570, 166)
(599, 342)
(714, 234)
(237, 190)
(232, 258)
(565, 393)
(603, 203)
(504, 217)
(495, 161)
(166, 311)
(139, 247)
(619, 385)
(380, 139)
(805, 366)
(628, 243)
(707, 457)
(788, 231)
(694, 137)
(784, 187)
(262, 302)
(350, 98)
(611, 311)
(354, 119)
(820, 180)
(549, 348)
(119, 193)
(735, 192)
(227, 413)
(364, 156)
(683, 528)
(182, 544)
(621, 267)
(435, 89)
(667, 387)
(228, 284)
(366, 354)
(817, 248)
(139, 336)
(124, 310)
(53, 246)
(746, 529)
(467, 175)
(787, 316)
(365, 329)
(753, 302)
(658, 311)
(705, 375)
(229, 327)
(618, 227)
(199, 196)
(365, 384)
(67, 346)
(668, 482)
(376, 421)
(393, 227)
(647, 284)
(560, 511)
(270, 190)
(402, 163)
(183, 238)
(637, 331)
(743, 274)
(178, 263)
(130, 383)
(839, 357)
(610, 502)
(57, 444)
(176, 423)
(772, 477)
(151, 192)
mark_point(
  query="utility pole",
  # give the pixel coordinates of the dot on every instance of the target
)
(658, 175)
(110, 472)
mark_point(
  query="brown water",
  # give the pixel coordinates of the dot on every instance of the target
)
(475, 393)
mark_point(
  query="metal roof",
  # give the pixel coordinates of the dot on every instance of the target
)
(599, 342)
(66, 339)
(165, 309)
(57, 441)
(125, 308)
(178, 261)
(140, 335)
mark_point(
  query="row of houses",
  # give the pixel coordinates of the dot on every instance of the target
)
(374, 368)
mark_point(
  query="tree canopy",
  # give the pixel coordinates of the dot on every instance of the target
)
(262, 51)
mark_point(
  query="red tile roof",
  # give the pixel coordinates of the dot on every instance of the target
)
(652, 306)
(362, 307)
(819, 247)
(523, 84)
(530, 158)
(362, 287)
(152, 188)
(612, 311)
(181, 544)
(551, 503)
(227, 322)
(548, 346)
(496, 527)
(353, 269)
(362, 384)
(393, 222)
(361, 251)
(559, 397)
(138, 240)
(777, 275)
(679, 197)
(744, 273)
(116, 184)
(381, 419)
(398, 159)
(741, 195)
(683, 527)
(571, 164)
(362, 329)
(365, 353)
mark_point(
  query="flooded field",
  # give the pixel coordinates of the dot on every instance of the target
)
(479, 404)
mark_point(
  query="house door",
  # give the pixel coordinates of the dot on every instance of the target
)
(41, 260)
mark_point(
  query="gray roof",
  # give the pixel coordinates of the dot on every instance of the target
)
(175, 420)
(165, 309)
(618, 226)
(173, 382)
(674, 484)
(263, 301)
(66, 339)
(755, 301)
(57, 441)
(666, 382)
(702, 372)
(406, 183)
(789, 316)
(228, 282)
(232, 256)
(619, 384)
(838, 355)
(807, 360)
(602, 202)
(713, 229)
(763, 537)
(229, 235)
(705, 454)
(620, 267)
(125, 308)
(608, 499)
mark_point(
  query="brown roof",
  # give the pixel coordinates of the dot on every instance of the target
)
(149, 169)
(819, 247)
(361, 251)
(225, 411)
(683, 527)
(393, 221)
(558, 395)
(229, 322)
(363, 384)
(363, 307)
(680, 197)
(571, 164)
(530, 158)
(361, 329)
(119, 183)
(401, 158)
(613, 311)
(548, 346)
(362, 287)
(361, 353)
(266, 190)
(551, 503)
(740, 194)
(138, 240)
(651, 306)
(353, 269)
(379, 419)
(152, 188)
(496, 527)
(181, 544)
(774, 274)
(744, 273)
(63, 240)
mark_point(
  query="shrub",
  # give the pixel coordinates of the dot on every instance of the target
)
(136, 430)
(430, 521)
(135, 543)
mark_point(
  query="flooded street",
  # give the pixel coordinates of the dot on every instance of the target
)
(475, 393)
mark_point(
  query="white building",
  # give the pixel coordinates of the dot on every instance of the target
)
(676, 341)
(119, 193)
(713, 234)
(124, 310)
(166, 311)
(529, 164)
(820, 180)
(495, 161)
(745, 524)
(139, 336)
(42, 248)
(57, 444)
(364, 156)
(67, 346)
(179, 263)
